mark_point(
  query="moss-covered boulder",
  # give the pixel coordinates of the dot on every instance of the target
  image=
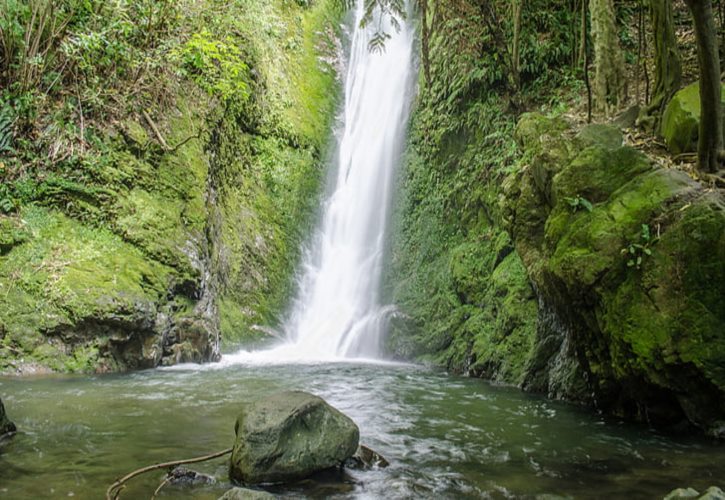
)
(290, 435)
(176, 224)
(681, 121)
(629, 262)
(6, 425)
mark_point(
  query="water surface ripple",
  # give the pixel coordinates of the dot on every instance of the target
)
(446, 437)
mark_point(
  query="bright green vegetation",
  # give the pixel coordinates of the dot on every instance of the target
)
(551, 256)
(454, 272)
(653, 315)
(681, 120)
(160, 163)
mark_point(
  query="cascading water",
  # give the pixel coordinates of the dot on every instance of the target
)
(338, 312)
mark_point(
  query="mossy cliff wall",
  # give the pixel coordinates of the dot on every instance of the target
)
(635, 278)
(531, 253)
(463, 295)
(181, 226)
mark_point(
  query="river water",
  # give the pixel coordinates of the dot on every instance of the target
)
(445, 436)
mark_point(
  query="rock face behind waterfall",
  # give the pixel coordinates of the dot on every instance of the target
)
(289, 436)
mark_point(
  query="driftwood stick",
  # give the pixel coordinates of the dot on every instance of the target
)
(113, 491)
(163, 483)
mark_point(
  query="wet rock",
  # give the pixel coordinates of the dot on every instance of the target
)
(712, 493)
(366, 458)
(681, 493)
(188, 341)
(181, 476)
(6, 426)
(246, 494)
(290, 435)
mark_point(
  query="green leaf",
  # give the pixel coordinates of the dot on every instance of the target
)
(586, 204)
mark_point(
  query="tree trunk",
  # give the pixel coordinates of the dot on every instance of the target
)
(609, 81)
(711, 140)
(516, 45)
(668, 70)
(585, 58)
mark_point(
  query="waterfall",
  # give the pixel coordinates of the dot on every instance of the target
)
(337, 312)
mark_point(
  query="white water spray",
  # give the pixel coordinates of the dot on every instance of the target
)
(337, 313)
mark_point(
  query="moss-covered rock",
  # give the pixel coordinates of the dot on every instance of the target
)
(289, 436)
(681, 121)
(629, 284)
(181, 223)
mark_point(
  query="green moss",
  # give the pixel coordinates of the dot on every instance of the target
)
(67, 272)
(268, 183)
(649, 334)
(680, 122)
(597, 172)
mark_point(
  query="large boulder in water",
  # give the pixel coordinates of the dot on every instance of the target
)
(290, 435)
(5, 424)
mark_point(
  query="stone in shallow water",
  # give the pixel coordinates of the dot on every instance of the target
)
(366, 458)
(288, 436)
(713, 493)
(681, 493)
(246, 494)
(181, 476)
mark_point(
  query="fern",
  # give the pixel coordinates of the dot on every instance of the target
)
(6, 129)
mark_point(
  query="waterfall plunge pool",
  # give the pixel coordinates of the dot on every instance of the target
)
(445, 436)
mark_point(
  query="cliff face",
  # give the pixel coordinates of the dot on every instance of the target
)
(534, 253)
(630, 259)
(179, 224)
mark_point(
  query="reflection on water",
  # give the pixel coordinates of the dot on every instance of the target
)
(445, 437)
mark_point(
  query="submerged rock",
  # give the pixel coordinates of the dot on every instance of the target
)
(246, 494)
(290, 435)
(366, 458)
(681, 493)
(6, 425)
(181, 476)
(713, 493)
